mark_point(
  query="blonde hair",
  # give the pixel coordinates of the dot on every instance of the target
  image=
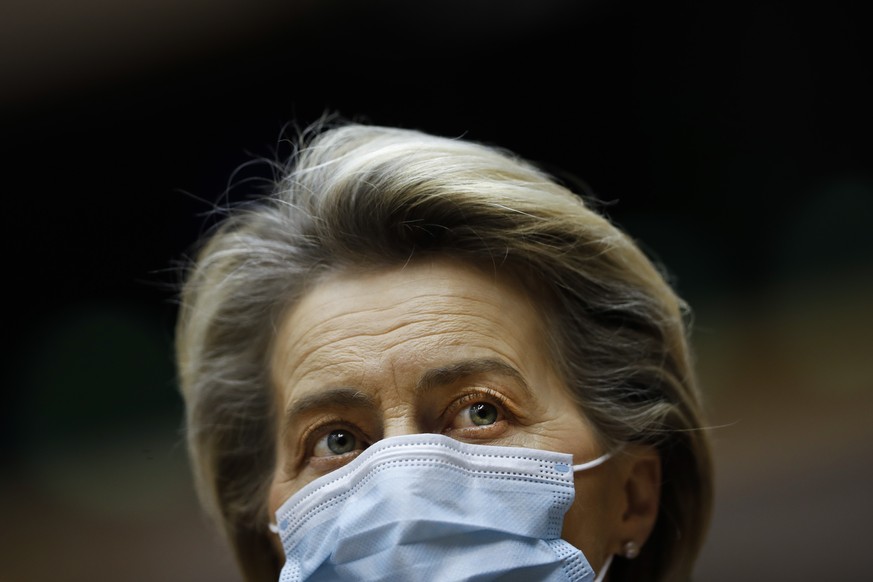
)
(356, 195)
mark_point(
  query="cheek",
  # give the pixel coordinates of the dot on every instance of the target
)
(275, 498)
(282, 487)
(591, 521)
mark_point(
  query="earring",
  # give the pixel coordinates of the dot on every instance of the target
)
(631, 549)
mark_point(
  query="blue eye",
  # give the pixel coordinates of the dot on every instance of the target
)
(337, 442)
(483, 413)
(480, 410)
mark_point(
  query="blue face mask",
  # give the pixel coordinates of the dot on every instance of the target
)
(428, 507)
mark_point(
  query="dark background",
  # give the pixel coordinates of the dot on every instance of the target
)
(733, 139)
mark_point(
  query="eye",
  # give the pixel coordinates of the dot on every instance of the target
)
(482, 413)
(477, 414)
(336, 442)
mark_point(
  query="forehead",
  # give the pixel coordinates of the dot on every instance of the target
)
(354, 328)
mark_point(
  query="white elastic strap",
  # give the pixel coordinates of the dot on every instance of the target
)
(591, 464)
(273, 527)
(602, 573)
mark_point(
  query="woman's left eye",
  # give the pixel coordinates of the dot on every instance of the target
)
(478, 414)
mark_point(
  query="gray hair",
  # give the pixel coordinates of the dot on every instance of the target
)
(355, 195)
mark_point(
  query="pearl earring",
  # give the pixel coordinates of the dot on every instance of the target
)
(631, 550)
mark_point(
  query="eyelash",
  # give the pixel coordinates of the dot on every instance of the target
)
(479, 395)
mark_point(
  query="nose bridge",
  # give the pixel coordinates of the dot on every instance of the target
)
(397, 379)
(401, 422)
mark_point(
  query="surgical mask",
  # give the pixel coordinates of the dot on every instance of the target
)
(428, 507)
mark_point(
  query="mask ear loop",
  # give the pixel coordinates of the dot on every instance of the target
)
(604, 569)
(595, 462)
(273, 527)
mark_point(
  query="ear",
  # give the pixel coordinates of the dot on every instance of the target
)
(641, 474)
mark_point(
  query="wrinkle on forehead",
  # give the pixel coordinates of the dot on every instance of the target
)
(349, 323)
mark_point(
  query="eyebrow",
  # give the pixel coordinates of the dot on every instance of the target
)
(340, 396)
(448, 374)
(348, 397)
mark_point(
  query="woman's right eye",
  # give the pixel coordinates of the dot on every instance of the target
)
(337, 442)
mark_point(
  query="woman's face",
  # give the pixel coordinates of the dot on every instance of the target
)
(435, 347)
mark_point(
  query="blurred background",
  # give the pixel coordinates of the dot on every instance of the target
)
(733, 139)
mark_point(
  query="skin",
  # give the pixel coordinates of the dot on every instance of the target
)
(440, 347)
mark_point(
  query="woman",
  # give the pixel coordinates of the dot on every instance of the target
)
(423, 358)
